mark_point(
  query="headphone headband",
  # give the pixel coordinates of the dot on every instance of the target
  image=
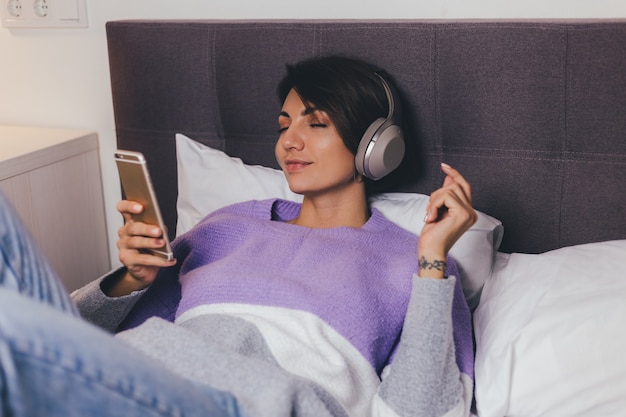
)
(392, 114)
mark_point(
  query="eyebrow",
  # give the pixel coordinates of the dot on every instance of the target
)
(307, 111)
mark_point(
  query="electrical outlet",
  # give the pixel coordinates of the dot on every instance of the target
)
(14, 9)
(44, 13)
(41, 8)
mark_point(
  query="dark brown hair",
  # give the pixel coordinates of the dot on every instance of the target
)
(347, 89)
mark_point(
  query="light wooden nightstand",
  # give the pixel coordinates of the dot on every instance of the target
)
(52, 177)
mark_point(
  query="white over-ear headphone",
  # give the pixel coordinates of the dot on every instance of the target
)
(381, 148)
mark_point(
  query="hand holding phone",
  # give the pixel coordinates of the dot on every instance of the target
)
(137, 186)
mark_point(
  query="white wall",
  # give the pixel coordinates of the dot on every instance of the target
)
(59, 77)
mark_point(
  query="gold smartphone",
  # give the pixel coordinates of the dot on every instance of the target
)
(137, 186)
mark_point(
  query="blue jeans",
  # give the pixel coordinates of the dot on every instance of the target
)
(53, 363)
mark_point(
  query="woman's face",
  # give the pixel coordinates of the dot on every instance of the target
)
(310, 151)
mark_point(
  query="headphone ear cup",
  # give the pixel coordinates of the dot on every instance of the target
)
(364, 145)
(381, 150)
(386, 153)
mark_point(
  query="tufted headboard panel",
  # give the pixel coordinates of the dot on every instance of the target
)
(533, 113)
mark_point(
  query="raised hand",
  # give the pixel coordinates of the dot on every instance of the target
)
(134, 236)
(449, 214)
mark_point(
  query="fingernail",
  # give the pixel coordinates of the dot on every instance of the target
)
(444, 165)
(426, 218)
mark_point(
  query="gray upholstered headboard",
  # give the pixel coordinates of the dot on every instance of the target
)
(532, 112)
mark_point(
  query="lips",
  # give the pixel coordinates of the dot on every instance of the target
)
(294, 165)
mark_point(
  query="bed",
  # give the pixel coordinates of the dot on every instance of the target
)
(531, 112)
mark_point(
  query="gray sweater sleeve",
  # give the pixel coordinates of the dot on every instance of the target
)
(101, 310)
(424, 378)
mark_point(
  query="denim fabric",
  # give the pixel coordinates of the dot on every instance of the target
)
(53, 363)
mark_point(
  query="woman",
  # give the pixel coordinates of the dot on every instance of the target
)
(302, 309)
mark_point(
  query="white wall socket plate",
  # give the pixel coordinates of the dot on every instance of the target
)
(44, 13)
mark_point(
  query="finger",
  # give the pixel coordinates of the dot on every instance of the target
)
(438, 204)
(455, 183)
(141, 242)
(140, 229)
(127, 208)
(459, 192)
(135, 261)
(444, 200)
(461, 188)
(454, 176)
(450, 185)
(450, 224)
(138, 242)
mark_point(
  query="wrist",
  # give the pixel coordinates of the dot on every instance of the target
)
(124, 285)
(431, 265)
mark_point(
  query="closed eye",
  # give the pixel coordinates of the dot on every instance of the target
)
(283, 121)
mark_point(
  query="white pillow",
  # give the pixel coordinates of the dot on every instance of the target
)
(550, 334)
(209, 179)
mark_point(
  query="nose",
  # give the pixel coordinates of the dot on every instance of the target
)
(291, 139)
